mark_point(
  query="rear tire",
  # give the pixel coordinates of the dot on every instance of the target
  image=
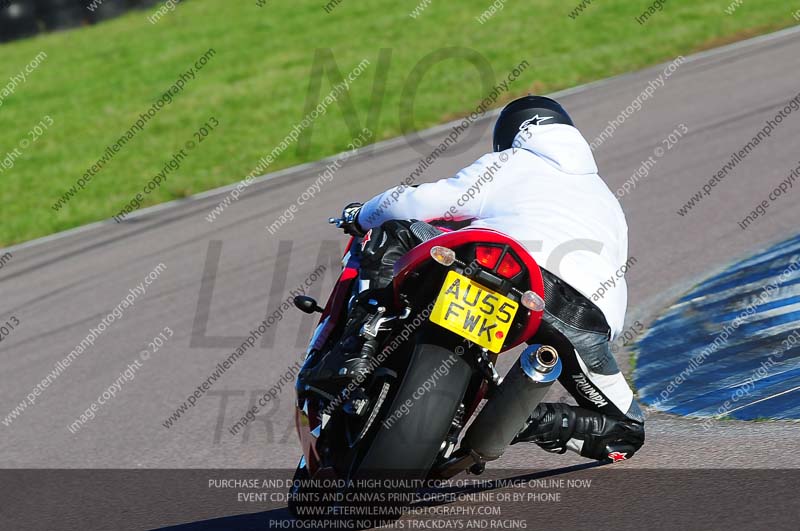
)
(406, 445)
(410, 432)
(402, 447)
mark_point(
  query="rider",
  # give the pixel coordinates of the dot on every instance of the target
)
(541, 187)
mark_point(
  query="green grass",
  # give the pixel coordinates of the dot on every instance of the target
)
(633, 359)
(95, 82)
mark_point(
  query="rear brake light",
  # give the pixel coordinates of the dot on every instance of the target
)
(509, 267)
(488, 256)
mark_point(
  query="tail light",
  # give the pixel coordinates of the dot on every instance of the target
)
(488, 256)
(509, 267)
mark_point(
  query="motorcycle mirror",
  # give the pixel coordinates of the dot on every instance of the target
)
(306, 304)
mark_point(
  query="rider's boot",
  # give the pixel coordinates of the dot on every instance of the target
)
(558, 427)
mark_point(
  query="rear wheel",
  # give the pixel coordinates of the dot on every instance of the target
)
(413, 427)
(417, 421)
(405, 436)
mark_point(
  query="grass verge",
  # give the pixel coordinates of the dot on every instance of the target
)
(95, 82)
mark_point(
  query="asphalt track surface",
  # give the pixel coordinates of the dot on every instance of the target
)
(58, 288)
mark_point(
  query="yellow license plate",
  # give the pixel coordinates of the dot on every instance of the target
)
(474, 312)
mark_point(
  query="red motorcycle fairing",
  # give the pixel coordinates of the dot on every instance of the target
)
(307, 421)
(338, 298)
(420, 254)
(333, 309)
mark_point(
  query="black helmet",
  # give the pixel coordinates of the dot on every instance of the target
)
(535, 110)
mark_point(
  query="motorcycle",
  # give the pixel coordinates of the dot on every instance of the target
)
(459, 299)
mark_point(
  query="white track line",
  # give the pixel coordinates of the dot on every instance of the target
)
(764, 399)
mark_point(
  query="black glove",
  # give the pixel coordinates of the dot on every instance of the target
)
(349, 222)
